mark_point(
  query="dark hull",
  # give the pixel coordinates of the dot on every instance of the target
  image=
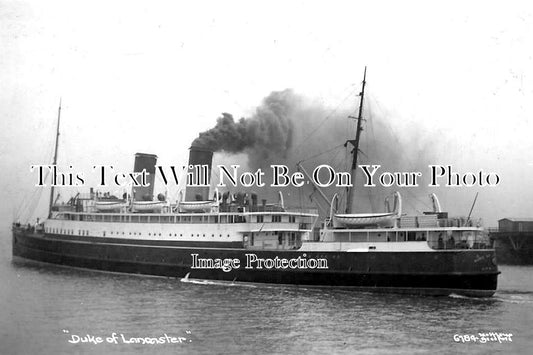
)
(470, 273)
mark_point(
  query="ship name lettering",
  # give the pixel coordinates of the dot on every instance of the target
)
(85, 339)
(166, 339)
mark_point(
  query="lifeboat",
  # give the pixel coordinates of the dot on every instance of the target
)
(358, 220)
(110, 205)
(148, 206)
(365, 219)
(197, 206)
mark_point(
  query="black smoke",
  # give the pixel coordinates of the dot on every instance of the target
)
(288, 128)
(264, 136)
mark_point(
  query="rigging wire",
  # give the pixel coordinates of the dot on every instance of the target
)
(25, 208)
(330, 115)
(375, 103)
(33, 197)
(322, 153)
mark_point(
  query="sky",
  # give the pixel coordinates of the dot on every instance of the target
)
(134, 76)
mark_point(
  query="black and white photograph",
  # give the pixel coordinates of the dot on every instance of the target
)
(266, 177)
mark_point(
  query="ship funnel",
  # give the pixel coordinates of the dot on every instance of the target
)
(200, 160)
(145, 161)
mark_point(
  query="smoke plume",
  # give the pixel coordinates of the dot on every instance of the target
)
(288, 128)
(265, 135)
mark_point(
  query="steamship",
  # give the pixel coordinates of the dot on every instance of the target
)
(242, 239)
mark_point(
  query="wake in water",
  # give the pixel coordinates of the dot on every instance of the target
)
(186, 279)
(515, 296)
(507, 296)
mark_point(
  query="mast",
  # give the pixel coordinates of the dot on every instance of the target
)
(55, 161)
(355, 151)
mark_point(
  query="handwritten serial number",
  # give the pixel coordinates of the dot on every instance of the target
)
(483, 337)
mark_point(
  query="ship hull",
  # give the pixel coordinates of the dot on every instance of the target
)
(471, 273)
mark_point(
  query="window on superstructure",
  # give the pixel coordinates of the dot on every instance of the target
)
(292, 219)
(276, 218)
(260, 219)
